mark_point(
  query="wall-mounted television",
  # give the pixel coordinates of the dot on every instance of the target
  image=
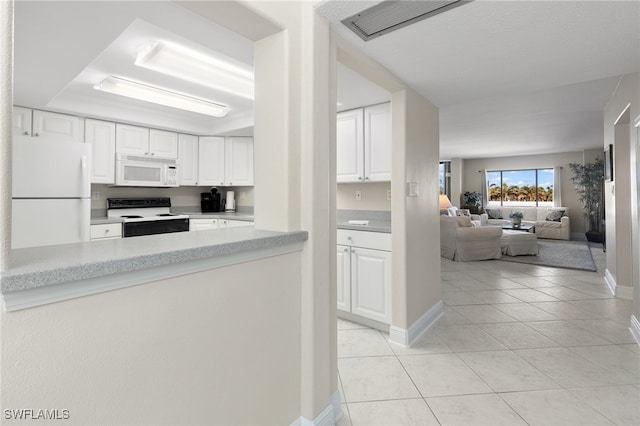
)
(608, 164)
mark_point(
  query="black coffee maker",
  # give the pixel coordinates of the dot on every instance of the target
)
(210, 201)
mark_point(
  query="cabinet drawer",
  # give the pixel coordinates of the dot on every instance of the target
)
(373, 240)
(106, 230)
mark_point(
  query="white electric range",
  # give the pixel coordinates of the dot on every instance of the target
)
(146, 216)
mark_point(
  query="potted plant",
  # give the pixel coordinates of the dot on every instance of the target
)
(516, 218)
(589, 181)
(471, 201)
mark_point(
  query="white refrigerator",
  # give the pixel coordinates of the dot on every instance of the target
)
(51, 200)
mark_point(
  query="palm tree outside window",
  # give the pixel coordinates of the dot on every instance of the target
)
(531, 187)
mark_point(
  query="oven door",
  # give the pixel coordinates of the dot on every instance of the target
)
(151, 227)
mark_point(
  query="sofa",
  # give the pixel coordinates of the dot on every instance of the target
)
(548, 222)
(461, 241)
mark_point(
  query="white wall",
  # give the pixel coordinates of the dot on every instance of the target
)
(220, 346)
(374, 196)
(621, 195)
(473, 179)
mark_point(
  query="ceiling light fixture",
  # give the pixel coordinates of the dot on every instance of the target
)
(392, 15)
(156, 95)
(189, 65)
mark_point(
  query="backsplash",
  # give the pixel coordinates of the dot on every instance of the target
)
(374, 196)
(183, 196)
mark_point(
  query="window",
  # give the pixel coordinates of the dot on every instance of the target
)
(532, 187)
(444, 172)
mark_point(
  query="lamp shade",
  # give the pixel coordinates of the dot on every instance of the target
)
(444, 202)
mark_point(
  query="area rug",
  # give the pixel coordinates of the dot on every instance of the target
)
(559, 254)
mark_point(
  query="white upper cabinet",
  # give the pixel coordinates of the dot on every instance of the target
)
(188, 156)
(350, 146)
(238, 156)
(225, 161)
(132, 140)
(21, 123)
(364, 144)
(163, 144)
(211, 161)
(101, 135)
(137, 140)
(49, 126)
(377, 143)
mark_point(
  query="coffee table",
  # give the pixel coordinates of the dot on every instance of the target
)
(525, 228)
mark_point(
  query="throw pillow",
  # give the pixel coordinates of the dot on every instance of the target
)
(554, 215)
(494, 213)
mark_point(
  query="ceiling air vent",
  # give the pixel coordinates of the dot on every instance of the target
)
(392, 15)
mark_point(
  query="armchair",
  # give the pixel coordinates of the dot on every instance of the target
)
(460, 241)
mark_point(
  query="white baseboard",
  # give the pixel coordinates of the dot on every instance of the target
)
(635, 328)
(327, 417)
(619, 291)
(406, 337)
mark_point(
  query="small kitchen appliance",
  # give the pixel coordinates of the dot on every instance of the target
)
(146, 216)
(210, 201)
(230, 205)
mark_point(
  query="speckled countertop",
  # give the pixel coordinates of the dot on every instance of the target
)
(379, 221)
(44, 266)
(99, 220)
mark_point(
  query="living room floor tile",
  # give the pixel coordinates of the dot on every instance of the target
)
(482, 314)
(474, 410)
(607, 329)
(362, 342)
(530, 295)
(566, 334)
(375, 378)
(516, 335)
(553, 407)
(525, 312)
(564, 293)
(442, 375)
(394, 412)
(620, 404)
(493, 296)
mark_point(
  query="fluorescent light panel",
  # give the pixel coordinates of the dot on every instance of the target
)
(156, 95)
(391, 15)
(189, 65)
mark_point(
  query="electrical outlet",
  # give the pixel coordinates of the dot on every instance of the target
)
(358, 195)
(95, 195)
(389, 194)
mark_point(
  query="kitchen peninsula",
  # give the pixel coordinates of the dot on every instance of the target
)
(41, 275)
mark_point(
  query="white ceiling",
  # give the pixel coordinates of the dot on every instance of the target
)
(511, 77)
(63, 48)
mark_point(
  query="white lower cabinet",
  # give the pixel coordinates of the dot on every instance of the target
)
(364, 274)
(202, 224)
(106, 231)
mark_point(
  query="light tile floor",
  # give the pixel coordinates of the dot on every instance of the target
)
(517, 345)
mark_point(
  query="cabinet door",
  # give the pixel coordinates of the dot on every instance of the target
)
(223, 223)
(377, 143)
(132, 140)
(51, 126)
(163, 144)
(211, 161)
(344, 278)
(21, 127)
(350, 146)
(202, 224)
(371, 284)
(238, 161)
(101, 135)
(238, 223)
(188, 156)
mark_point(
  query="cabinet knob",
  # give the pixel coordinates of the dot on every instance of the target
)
(353, 250)
(349, 238)
(146, 153)
(26, 133)
(359, 177)
(367, 178)
(153, 153)
(346, 250)
(106, 231)
(36, 134)
(221, 183)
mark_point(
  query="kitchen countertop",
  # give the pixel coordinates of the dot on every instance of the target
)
(195, 215)
(373, 226)
(36, 267)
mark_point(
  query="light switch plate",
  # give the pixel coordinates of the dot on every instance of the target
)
(412, 189)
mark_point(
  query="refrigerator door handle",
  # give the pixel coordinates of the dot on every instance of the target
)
(85, 178)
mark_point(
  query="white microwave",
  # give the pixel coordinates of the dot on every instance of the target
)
(133, 170)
